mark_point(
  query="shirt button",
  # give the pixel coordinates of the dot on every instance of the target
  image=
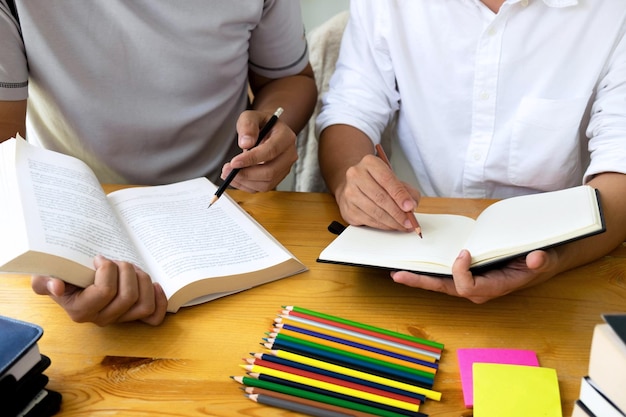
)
(492, 31)
(477, 156)
(524, 3)
(484, 95)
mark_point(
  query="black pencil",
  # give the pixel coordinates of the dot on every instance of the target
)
(266, 129)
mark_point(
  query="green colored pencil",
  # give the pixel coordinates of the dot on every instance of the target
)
(364, 326)
(253, 382)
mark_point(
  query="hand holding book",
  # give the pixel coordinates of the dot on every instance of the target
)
(503, 233)
(194, 254)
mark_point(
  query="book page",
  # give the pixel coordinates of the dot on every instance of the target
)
(443, 238)
(183, 240)
(520, 224)
(67, 212)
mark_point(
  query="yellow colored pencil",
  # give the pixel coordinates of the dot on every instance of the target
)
(254, 370)
(433, 395)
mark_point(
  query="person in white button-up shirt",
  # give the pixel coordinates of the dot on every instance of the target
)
(493, 99)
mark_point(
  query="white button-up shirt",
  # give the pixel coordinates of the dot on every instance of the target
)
(530, 99)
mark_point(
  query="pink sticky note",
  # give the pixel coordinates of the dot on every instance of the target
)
(467, 357)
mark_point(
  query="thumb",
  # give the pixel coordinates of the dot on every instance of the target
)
(541, 260)
(44, 285)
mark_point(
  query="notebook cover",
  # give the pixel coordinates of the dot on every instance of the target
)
(16, 338)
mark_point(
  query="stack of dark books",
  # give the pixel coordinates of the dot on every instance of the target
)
(603, 390)
(23, 391)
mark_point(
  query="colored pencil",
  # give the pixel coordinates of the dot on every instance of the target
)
(305, 401)
(362, 326)
(294, 406)
(427, 377)
(385, 351)
(301, 317)
(336, 330)
(259, 365)
(255, 369)
(316, 395)
(342, 358)
(291, 359)
(263, 358)
(282, 381)
(410, 216)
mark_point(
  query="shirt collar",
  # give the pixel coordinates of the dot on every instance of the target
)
(552, 3)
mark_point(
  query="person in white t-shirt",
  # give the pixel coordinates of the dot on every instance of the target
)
(153, 92)
(493, 99)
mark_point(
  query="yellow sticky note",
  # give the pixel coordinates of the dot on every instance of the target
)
(515, 391)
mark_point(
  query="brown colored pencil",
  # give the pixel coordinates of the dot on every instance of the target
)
(382, 155)
(305, 401)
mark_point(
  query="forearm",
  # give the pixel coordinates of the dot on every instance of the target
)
(12, 119)
(340, 147)
(612, 188)
(296, 94)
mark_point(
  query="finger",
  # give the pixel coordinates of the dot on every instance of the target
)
(160, 309)
(280, 140)
(134, 298)
(415, 194)
(366, 199)
(248, 127)
(463, 279)
(84, 305)
(398, 190)
(44, 285)
(540, 261)
(493, 284)
(266, 176)
(425, 282)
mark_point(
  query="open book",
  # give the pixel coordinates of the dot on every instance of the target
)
(55, 217)
(504, 230)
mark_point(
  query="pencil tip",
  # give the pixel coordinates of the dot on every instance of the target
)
(213, 200)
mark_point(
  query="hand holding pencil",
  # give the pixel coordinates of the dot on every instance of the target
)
(410, 216)
(284, 146)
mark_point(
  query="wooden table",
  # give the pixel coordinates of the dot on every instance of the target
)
(182, 367)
